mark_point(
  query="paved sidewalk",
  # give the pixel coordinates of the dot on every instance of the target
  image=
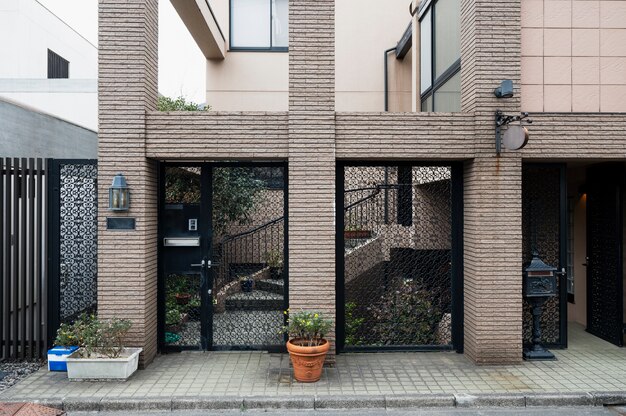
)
(380, 380)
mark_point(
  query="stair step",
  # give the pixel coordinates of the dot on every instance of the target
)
(257, 300)
(271, 285)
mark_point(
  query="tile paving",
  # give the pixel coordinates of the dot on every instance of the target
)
(590, 364)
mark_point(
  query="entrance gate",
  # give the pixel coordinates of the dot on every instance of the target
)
(222, 229)
(544, 219)
(400, 276)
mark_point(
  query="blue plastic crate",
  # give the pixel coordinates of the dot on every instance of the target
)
(57, 357)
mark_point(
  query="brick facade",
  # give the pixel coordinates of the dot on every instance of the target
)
(312, 137)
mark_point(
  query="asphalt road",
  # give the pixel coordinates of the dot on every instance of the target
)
(570, 411)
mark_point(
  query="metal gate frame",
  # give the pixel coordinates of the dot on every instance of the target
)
(456, 254)
(161, 345)
(562, 226)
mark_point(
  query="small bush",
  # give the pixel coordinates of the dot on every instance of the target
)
(94, 336)
(179, 104)
(309, 327)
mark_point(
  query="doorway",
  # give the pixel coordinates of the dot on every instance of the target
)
(400, 275)
(222, 256)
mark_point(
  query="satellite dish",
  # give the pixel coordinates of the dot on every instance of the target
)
(515, 137)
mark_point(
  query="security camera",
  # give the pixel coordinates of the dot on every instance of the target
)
(505, 90)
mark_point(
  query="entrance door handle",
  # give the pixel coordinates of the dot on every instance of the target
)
(200, 264)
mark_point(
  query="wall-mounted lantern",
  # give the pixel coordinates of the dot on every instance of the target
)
(538, 286)
(119, 194)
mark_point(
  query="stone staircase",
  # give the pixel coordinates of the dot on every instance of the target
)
(267, 295)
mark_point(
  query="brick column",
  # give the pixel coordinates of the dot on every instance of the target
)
(127, 88)
(490, 52)
(312, 157)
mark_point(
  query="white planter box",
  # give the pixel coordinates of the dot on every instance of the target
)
(103, 368)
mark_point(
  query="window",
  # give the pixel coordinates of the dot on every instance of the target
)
(440, 55)
(57, 66)
(259, 25)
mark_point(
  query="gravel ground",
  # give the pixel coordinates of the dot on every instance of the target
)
(14, 372)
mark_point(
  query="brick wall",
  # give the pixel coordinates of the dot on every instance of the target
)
(127, 259)
(312, 157)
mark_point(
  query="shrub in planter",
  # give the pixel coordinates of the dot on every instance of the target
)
(102, 354)
(67, 341)
(274, 261)
(307, 346)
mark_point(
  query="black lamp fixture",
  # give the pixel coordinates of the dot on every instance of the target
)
(505, 90)
(119, 194)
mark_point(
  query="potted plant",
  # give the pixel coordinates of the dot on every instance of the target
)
(353, 232)
(274, 261)
(307, 346)
(102, 355)
(246, 283)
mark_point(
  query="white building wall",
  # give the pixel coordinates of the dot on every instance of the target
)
(31, 30)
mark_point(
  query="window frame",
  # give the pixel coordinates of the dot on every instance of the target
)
(52, 65)
(452, 70)
(271, 48)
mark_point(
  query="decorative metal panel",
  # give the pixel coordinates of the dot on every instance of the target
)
(397, 256)
(541, 189)
(78, 239)
(604, 251)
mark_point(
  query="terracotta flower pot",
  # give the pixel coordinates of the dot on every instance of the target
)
(307, 361)
(183, 298)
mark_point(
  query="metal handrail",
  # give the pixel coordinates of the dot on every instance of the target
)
(252, 231)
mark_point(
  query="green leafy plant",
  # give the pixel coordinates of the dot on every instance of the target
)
(309, 328)
(94, 336)
(173, 317)
(274, 259)
(405, 315)
(235, 195)
(353, 325)
(179, 104)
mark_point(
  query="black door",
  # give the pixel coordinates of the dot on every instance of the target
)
(604, 251)
(221, 249)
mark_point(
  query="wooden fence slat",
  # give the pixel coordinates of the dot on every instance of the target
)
(6, 301)
(16, 258)
(22, 276)
(2, 275)
(30, 296)
(38, 322)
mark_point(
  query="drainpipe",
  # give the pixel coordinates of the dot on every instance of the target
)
(387, 78)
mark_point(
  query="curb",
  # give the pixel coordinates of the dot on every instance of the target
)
(459, 400)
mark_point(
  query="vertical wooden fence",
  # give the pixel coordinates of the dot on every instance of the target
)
(23, 259)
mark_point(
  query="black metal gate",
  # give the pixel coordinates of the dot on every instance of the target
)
(400, 276)
(48, 245)
(222, 251)
(22, 258)
(605, 306)
(544, 219)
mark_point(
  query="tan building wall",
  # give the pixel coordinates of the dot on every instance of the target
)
(365, 29)
(258, 81)
(573, 55)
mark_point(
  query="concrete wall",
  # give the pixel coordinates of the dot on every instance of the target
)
(573, 55)
(33, 30)
(29, 133)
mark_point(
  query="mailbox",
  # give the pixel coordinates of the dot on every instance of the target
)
(539, 279)
(539, 284)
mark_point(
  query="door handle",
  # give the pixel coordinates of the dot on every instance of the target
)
(202, 264)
